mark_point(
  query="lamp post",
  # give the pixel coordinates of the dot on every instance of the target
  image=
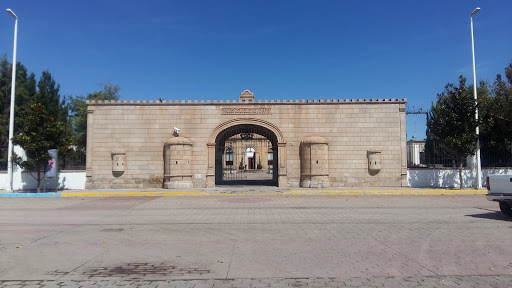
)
(478, 164)
(11, 117)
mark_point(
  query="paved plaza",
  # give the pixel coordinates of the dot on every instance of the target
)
(237, 240)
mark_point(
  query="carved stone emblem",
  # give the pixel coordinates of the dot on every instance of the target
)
(244, 111)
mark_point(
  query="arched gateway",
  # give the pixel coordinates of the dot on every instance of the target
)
(310, 143)
(223, 168)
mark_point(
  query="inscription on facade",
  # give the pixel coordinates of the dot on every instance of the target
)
(244, 111)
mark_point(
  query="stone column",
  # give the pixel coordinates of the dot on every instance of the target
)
(178, 157)
(90, 123)
(210, 174)
(314, 163)
(403, 146)
(281, 151)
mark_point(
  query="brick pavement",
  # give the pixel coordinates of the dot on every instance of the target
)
(425, 281)
(255, 241)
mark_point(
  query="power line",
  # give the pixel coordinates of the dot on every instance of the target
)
(415, 112)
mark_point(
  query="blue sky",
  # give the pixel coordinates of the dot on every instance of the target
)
(277, 49)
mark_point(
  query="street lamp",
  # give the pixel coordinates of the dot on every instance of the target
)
(13, 86)
(478, 164)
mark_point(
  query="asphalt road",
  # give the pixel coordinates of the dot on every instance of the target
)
(255, 241)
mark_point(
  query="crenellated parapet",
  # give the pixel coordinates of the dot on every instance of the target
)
(224, 102)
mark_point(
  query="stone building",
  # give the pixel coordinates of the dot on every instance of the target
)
(299, 143)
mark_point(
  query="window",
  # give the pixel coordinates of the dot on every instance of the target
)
(229, 157)
(270, 156)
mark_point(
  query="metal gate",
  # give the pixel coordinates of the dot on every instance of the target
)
(232, 167)
(234, 177)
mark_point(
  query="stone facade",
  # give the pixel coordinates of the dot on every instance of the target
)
(351, 143)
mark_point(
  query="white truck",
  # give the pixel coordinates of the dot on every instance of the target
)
(499, 189)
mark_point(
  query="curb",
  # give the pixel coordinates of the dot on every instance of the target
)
(27, 195)
(388, 192)
(128, 194)
(286, 193)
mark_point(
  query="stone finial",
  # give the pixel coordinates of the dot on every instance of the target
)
(246, 96)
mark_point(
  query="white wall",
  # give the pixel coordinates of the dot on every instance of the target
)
(448, 178)
(23, 181)
(417, 178)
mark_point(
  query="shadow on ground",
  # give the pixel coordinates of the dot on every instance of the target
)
(492, 216)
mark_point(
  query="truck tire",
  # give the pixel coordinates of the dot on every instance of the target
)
(506, 208)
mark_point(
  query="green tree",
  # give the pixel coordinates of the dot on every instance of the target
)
(48, 95)
(78, 108)
(109, 92)
(498, 136)
(5, 100)
(38, 133)
(25, 91)
(451, 120)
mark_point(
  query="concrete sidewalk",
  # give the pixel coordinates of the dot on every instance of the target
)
(247, 190)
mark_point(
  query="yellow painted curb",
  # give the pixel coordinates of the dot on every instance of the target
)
(124, 194)
(286, 193)
(386, 192)
(247, 194)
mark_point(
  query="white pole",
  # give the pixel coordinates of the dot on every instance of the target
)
(478, 164)
(11, 116)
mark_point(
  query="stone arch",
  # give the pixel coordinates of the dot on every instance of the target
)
(247, 121)
(229, 128)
